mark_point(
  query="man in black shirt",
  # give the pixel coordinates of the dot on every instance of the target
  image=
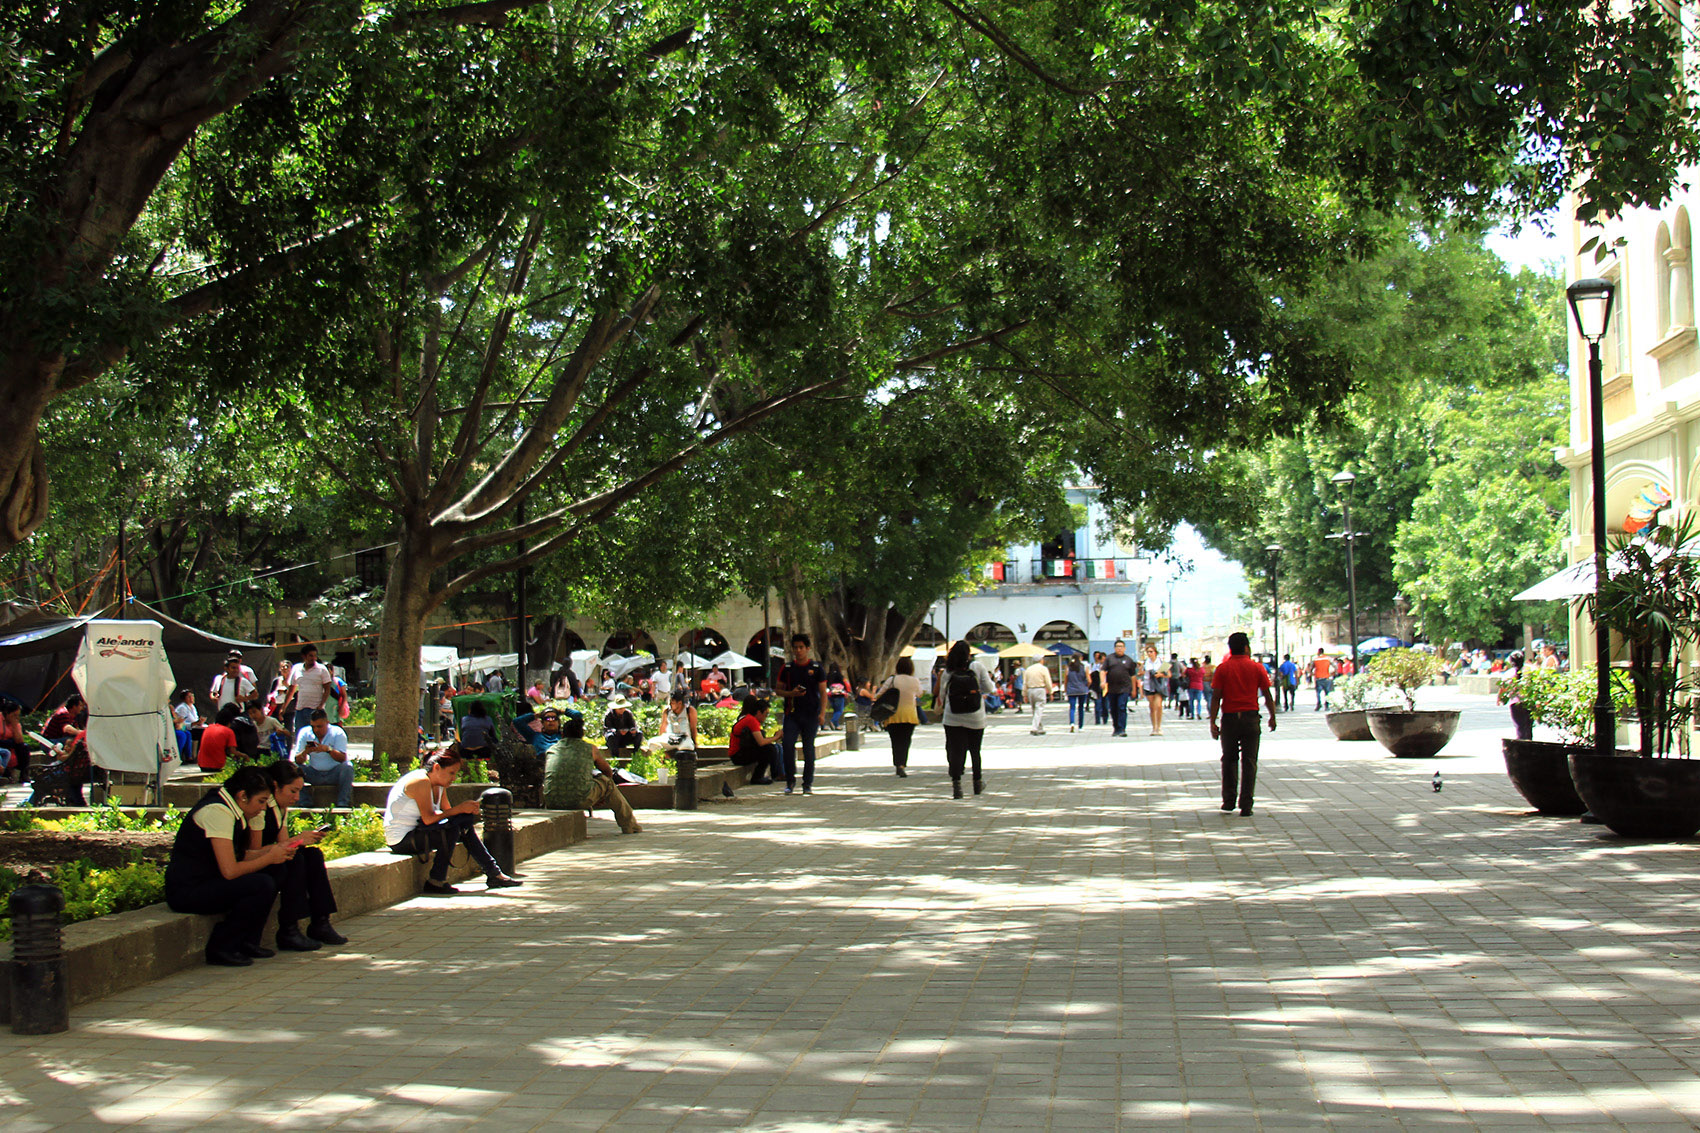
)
(1120, 670)
(802, 685)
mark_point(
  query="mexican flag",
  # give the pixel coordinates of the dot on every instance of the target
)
(993, 571)
(1098, 568)
(1060, 568)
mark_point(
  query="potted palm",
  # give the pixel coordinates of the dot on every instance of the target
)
(1562, 702)
(1650, 598)
(1408, 732)
(1348, 707)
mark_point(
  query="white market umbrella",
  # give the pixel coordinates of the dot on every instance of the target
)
(619, 666)
(732, 659)
(689, 660)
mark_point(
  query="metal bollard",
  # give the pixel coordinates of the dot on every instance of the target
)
(41, 1001)
(685, 779)
(852, 732)
(497, 805)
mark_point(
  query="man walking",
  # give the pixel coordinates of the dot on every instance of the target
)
(1238, 681)
(1037, 681)
(1322, 674)
(1289, 682)
(310, 685)
(1119, 673)
(802, 685)
(1100, 696)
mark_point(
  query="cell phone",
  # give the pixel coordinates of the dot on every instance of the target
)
(326, 828)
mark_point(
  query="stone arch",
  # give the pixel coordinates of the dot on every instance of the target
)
(704, 641)
(1061, 630)
(571, 643)
(991, 633)
(1624, 484)
(927, 636)
(470, 640)
(627, 641)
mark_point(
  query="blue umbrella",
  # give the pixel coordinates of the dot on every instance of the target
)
(1066, 650)
(1377, 644)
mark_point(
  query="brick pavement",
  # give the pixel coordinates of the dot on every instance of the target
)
(1091, 945)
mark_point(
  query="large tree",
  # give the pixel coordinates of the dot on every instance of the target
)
(110, 236)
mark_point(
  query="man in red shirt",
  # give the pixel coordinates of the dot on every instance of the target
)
(218, 741)
(1237, 681)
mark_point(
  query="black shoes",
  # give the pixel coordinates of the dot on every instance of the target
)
(439, 889)
(1226, 807)
(257, 951)
(956, 788)
(219, 958)
(289, 939)
(901, 773)
(325, 934)
(1245, 812)
(979, 785)
(501, 881)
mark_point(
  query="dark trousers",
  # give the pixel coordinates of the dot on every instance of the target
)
(1100, 707)
(442, 836)
(1523, 722)
(799, 727)
(303, 887)
(1240, 734)
(761, 757)
(246, 903)
(962, 744)
(1118, 710)
(901, 735)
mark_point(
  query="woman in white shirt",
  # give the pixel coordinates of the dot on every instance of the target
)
(1156, 688)
(900, 725)
(418, 819)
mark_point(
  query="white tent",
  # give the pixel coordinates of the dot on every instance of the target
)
(619, 666)
(583, 661)
(123, 672)
(437, 658)
(732, 659)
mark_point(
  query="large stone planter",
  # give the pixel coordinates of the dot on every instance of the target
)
(1349, 725)
(1413, 735)
(1637, 797)
(1541, 773)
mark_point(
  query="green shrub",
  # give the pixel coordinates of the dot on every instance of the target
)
(1404, 669)
(362, 711)
(1358, 692)
(360, 831)
(90, 891)
(1565, 699)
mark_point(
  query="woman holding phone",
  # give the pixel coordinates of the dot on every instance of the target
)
(208, 875)
(303, 885)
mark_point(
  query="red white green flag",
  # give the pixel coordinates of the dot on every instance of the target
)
(993, 571)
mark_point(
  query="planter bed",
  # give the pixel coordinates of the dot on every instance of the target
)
(659, 796)
(124, 950)
(185, 793)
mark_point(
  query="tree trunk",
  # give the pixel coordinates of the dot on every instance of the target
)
(23, 467)
(407, 603)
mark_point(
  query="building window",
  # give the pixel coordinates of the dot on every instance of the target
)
(369, 568)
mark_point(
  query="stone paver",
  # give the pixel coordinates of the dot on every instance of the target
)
(1090, 945)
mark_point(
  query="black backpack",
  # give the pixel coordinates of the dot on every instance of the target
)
(962, 692)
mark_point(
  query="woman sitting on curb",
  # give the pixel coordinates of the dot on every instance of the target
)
(749, 744)
(204, 874)
(418, 820)
(303, 885)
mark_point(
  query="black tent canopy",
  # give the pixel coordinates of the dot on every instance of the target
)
(37, 649)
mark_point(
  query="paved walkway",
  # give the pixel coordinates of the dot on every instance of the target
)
(1091, 945)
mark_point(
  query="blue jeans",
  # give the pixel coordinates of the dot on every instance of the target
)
(341, 777)
(304, 717)
(1102, 708)
(837, 705)
(1077, 711)
(1118, 711)
(1196, 696)
(797, 726)
(1324, 686)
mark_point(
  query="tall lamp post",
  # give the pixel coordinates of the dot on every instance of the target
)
(1590, 305)
(1345, 480)
(1274, 550)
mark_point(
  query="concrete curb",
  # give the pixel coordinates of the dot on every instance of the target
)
(124, 950)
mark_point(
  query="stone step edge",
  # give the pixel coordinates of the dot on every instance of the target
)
(120, 951)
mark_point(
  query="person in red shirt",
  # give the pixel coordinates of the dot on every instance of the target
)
(218, 741)
(750, 744)
(1237, 681)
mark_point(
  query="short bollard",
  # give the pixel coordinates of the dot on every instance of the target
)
(497, 806)
(685, 779)
(41, 1002)
(852, 732)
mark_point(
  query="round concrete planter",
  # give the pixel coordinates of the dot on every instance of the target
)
(1350, 725)
(1413, 735)
(1637, 797)
(1541, 773)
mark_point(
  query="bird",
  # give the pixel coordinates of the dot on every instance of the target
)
(1437, 783)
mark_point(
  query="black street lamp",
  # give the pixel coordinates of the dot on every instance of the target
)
(1274, 550)
(1345, 480)
(1590, 305)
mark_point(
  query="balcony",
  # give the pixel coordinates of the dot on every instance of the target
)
(1076, 570)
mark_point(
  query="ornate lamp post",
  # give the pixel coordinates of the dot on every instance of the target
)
(1590, 306)
(1345, 480)
(1274, 550)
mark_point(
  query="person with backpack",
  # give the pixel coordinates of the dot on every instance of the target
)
(962, 688)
